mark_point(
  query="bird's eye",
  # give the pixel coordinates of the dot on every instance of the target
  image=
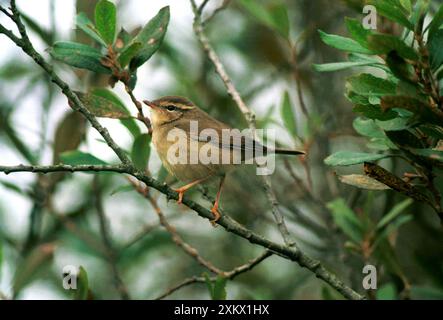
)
(170, 108)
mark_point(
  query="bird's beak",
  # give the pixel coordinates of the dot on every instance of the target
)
(150, 104)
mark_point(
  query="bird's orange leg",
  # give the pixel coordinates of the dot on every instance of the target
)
(181, 191)
(214, 209)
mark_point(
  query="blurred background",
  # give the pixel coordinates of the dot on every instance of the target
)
(48, 222)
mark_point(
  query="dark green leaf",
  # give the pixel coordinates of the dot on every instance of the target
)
(435, 46)
(363, 182)
(387, 292)
(80, 158)
(357, 31)
(128, 53)
(123, 39)
(384, 43)
(368, 85)
(430, 153)
(81, 293)
(405, 139)
(288, 115)
(219, 292)
(141, 150)
(106, 20)
(342, 43)
(88, 27)
(275, 18)
(103, 103)
(346, 219)
(399, 67)
(393, 10)
(347, 158)
(151, 36)
(436, 23)
(78, 55)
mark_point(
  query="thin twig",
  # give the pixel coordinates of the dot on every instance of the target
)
(230, 275)
(64, 168)
(249, 116)
(187, 248)
(223, 6)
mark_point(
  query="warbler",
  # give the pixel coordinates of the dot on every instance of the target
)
(178, 122)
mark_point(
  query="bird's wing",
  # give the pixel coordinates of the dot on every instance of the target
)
(224, 137)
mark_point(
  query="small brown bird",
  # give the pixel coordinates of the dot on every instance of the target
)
(173, 112)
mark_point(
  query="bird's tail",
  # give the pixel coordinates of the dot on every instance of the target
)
(288, 152)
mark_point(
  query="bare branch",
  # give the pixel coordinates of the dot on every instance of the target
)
(64, 168)
(187, 248)
(230, 275)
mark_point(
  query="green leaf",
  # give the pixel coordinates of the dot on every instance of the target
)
(342, 43)
(78, 55)
(151, 36)
(337, 66)
(363, 182)
(80, 158)
(219, 290)
(368, 85)
(106, 20)
(347, 158)
(1, 257)
(276, 17)
(346, 219)
(436, 23)
(435, 46)
(374, 112)
(128, 53)
(394, 213)
(141, 150)
(399, 67)
(119, 107)
(123, 39)
(393, 10)
(367, 128)
(429, 153)
(383, 44)
(288, 115)
(407, 5)
(357, 31)
(82, 21)
(387, 292)
(396, 124)
(81, 293)
(103, 103)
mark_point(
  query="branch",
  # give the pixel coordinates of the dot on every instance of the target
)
(64, 168)
(248, 114)
(225, 221)
(230, 275)
(187, 248)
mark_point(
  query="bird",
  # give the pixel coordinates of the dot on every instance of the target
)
(177, 114)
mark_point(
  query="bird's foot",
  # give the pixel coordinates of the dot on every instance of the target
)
(181, 192)
(216, 215)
